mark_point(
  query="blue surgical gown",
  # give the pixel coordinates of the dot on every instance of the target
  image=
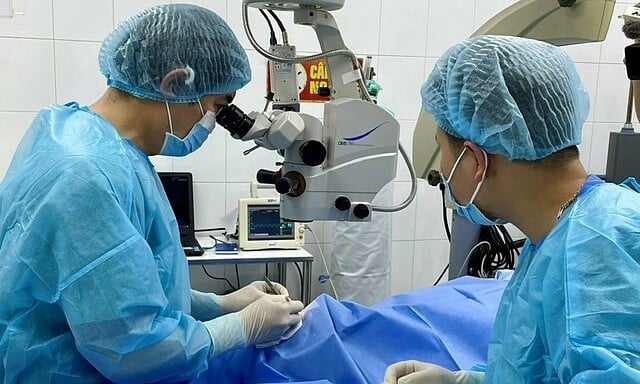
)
(93, 281)
(571, 312)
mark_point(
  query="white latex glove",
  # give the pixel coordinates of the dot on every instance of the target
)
(235, 301)
(417, 372)
(268, 318)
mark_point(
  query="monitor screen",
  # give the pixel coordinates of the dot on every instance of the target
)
(264, 223)
(177, 188)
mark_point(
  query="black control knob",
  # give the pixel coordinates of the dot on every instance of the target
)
(343, 203)
(361, 211)
(267, 177)
(285, 185)
(324, 91)
(434, 178)
(312, 152)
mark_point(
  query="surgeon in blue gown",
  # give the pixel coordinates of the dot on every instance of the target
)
(510, 113)
(94, 285)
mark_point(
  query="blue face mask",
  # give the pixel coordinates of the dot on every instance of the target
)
(175, 146)
(470, 211)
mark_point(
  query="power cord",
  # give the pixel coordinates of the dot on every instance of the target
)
(218, 278)
(299, 274)
(209, 229)
(434, 178)
(272, 33)
(216, 241)
(324, 261)
(501, 253)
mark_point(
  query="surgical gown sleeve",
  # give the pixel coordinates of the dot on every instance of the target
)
(593, 328)
(205, 305)
(108, 283)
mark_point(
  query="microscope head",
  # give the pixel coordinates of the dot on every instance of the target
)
(319, 5)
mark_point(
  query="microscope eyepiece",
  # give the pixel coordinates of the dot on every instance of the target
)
(234, 120)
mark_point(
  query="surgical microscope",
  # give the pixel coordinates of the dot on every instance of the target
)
(333, 168)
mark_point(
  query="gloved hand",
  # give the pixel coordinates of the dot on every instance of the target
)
(235, 301)
(268, 318)
(265, 320)
(417, 372)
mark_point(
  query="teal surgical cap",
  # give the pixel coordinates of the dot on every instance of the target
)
(515, 97)
(174, 52)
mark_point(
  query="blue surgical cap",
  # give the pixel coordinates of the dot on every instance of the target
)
(519, 98)
(174, 52)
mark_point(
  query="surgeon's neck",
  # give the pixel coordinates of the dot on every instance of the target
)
(535, 195)
(133, 118)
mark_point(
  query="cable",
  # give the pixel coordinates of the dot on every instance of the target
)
(283, 30)
(237, 276)
(466, 260)
(445, 219)
(335, 293)
(218, 240)
(299, 274)
(435, 178)
(272, 33)
(441, 275)
(277, 19)
(218, 278)
(500, 253)
(209, 229)
(414, 186)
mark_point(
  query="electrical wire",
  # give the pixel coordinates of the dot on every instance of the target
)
(277, 19)
(445, 219)
(501, 253)
(272, 33)
(335, 293)
(219, 241)
(299, 274)
(209, 229)
(441, 275)
(466, 260)
(218, 278)
(216, 240)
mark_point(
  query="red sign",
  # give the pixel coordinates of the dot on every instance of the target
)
(312, 75)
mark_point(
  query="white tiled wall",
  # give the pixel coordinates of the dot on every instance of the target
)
(48, 54)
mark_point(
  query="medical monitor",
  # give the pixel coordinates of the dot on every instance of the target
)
(261, 227)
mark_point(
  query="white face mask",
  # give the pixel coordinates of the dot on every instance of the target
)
(470, 211)
(175, 146)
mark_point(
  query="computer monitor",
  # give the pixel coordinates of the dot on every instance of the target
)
(179, 189)
(261, 227)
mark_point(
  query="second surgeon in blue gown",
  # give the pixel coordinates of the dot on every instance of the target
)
(510, 113)
(94, 285)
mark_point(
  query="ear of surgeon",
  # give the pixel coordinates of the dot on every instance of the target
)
(465, 169)
(173, 73)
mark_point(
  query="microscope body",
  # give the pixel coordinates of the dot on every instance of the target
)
(333, 168)
(361, 141)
